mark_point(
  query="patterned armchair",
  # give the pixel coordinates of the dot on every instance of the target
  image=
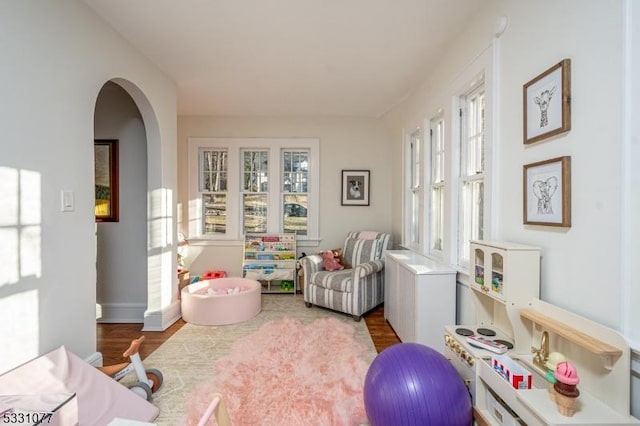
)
(353, 291)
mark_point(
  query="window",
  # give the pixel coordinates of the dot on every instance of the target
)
(255, 191)
(213, 186)
(472, 170)
(295, 190)
(414, 196)
(253, 186)
(436, 132)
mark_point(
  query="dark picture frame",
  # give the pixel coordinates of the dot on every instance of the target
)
(547, 103)
(355, 187)
(547, 192)
(106, 180)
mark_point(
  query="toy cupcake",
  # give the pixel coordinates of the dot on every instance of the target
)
(566, 391)
(551, 364)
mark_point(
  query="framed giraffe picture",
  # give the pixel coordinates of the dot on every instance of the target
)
(547, 103)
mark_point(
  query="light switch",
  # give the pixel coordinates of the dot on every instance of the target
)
(68, 204)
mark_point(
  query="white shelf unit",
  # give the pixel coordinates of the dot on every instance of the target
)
(504, 278)
(420, 297)
(271, 259)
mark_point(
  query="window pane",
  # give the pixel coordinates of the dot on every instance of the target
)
(437, 149)
(256, 168)
(255, 213)
(215, 213)
(213, 177)
(295, 214)
(415, 217)
(295, 171)
(295, 176)
(437, 215)
(437, 185)
(474, 145)
(415, 159)
(414, 194)
(473, 223)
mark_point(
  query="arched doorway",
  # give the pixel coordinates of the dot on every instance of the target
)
(121, 273)
(155, 249)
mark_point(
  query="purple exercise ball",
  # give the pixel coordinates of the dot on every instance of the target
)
(413, 384)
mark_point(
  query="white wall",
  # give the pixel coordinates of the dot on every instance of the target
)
(122, 277)
(345, 143)
(539, 35)
(585, 259)
(586, 269)
(56, 55)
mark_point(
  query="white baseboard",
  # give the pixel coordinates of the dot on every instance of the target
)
(161, 320)
(122, 313)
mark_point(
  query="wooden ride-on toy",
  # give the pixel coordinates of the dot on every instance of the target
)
(149, 380)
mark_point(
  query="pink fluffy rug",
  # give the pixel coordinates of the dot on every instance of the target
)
(289, 373)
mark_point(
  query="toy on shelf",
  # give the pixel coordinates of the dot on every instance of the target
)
(208, 275)
(566, 391)
(286, 285)
(149, 381)
(554, 359)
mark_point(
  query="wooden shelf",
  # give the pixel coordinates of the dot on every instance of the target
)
(571, 334)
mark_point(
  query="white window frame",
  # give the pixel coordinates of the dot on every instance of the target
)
(481, 71)
(234, 147)
(438, 161)
(414, 234)
(468, 212)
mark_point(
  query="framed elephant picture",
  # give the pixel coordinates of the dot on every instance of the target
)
(547, 192)
(547, 103)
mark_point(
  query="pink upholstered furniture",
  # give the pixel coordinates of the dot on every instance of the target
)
(59, 374)
(221, 301)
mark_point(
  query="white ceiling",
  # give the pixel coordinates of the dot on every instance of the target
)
(289, 57)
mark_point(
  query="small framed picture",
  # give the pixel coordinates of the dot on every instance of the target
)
(355, 187)
(106, 180)
(547, 103)
(547, 192)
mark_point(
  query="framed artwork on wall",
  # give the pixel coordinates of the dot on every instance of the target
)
(106, 180)
(355, 187)
(547, 192)
(547, 103)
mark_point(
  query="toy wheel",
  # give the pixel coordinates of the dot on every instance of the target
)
(142, 390)
(156, 379)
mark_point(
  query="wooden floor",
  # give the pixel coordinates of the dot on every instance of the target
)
(114, 339)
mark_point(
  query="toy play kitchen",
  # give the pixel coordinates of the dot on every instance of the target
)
(521, 350)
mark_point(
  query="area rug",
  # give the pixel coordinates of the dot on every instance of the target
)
(289, 373)
(189, 363)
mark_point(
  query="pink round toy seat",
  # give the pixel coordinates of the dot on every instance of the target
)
(221, 301)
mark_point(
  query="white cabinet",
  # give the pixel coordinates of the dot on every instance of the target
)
(420, 297)
(504, 278)
(271, 259)
(507, 272)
